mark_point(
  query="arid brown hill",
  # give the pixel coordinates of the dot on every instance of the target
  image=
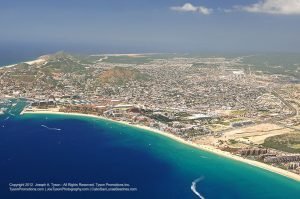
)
(121, 75)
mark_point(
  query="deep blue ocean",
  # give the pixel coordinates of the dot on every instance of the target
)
(87, 150)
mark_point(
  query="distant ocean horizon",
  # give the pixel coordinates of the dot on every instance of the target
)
(74, 149)
(15, 52)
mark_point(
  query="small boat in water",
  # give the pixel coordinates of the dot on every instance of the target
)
(2, 111)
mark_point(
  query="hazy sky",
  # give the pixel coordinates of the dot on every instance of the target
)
(153, 25)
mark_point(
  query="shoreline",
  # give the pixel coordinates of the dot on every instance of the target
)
(206, 148)
(30, 62)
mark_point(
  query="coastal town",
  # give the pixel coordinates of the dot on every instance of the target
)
(218, 102)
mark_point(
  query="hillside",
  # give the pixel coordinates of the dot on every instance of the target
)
(62, 62)
(121, 75)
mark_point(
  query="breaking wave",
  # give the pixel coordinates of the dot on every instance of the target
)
(194, 186)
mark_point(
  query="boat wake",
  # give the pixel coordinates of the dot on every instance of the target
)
(194, 186)
(201, 156)
(53, 129)
(6, 118)
(11, 114)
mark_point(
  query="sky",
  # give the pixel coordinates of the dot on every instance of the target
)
(151, 25)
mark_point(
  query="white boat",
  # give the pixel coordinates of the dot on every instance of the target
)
(2, 111)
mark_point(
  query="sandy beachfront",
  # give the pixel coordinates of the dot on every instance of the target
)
(207, 148)
(36, 61)
(7, 66)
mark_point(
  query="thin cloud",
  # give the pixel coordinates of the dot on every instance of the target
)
(278, 7)
(188, 7)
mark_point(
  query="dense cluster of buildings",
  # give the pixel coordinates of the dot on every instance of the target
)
(274, 157)
(188, 97)
(175, 86)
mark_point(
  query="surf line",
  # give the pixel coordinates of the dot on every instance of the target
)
(194, 186)
(53, 129)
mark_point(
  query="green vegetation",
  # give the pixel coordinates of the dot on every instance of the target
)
(91, 59)
(238, 112)
(276, 63)
(236, 120)
(232, 141)
(287, 142)
(182, 114)
(160, 118)
(296, 146)
(225, 123)
(62, 62)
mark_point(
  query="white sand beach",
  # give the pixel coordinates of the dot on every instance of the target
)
(198, 146)
(36, 61)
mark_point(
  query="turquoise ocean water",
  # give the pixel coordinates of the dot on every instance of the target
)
(87, 150)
